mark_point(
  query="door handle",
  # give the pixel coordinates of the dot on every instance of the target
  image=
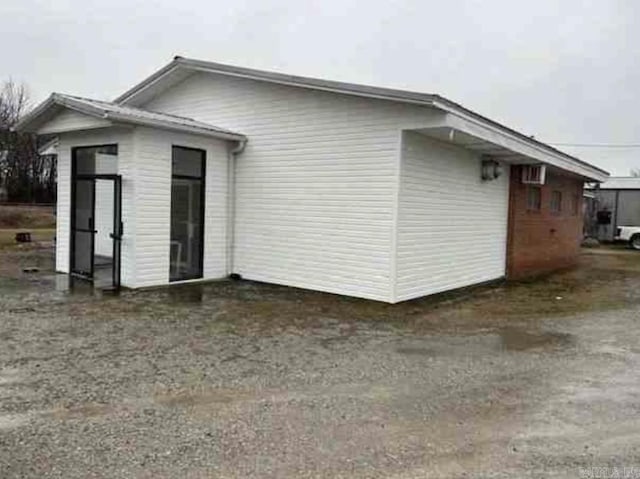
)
(118, 235)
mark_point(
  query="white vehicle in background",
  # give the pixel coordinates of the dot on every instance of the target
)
(630, 234)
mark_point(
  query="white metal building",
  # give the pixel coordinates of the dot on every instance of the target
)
(615, 203)
(363, 191)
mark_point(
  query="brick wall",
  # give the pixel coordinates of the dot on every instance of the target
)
(543, 240)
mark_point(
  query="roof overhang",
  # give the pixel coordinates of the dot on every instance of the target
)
(49, 147)
(56, 103)
(481, 132)
(483, 138)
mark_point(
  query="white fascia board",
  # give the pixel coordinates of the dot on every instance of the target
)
(25, 122)
(148, 82)
(173, 127)
(107, 119)
(55, 131)
(521, 146)
(32, 121)
(501, 135)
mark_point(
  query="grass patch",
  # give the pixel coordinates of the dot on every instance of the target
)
(37, 217)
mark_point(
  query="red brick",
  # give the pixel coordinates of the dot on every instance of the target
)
(543, 241)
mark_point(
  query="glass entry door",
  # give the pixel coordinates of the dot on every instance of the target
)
(96, 216)
(82, 228)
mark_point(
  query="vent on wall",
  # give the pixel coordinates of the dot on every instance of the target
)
(533, 174)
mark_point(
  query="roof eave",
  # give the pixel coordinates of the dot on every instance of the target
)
(174, 127)
(24, 123)
(30, 122)
(422, 99)
(469, 115)
(150, 80)
(27, 123)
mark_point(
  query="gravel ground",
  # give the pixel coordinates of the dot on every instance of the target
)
(246, 380)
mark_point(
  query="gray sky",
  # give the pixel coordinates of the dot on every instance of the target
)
(562, 70)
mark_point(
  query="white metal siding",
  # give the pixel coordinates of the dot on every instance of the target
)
(63, 205)
(452, 226)
(315, 188)
(68, 120)
(153, 204)
(123, 139)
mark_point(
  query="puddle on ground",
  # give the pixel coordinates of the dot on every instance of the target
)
(515, 339)
(504, 339)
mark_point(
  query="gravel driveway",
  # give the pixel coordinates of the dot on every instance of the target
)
(247, 380)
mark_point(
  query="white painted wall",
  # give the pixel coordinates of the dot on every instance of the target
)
(153, 204)
(452, 226)
(144, 161)
(328, 196)
(124, 139)
(316, 186)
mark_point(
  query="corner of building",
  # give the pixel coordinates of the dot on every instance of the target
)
(545, 224)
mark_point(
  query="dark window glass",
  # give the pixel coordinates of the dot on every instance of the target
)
(187, 162)
(556, 201)
(96, 160)
(83, 202)
(534, 198)
(187, 214)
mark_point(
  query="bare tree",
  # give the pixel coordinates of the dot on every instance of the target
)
(635, 172)
(14, 102)
(25, 174)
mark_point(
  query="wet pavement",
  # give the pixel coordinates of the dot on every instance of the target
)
(239, 379)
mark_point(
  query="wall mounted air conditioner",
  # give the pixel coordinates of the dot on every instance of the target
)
(534, 174)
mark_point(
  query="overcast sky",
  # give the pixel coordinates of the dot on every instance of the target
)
(566, 71)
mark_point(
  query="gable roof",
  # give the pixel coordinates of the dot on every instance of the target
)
(120, 114)
(181, 67)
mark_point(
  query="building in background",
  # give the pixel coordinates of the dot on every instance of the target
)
(615, 203)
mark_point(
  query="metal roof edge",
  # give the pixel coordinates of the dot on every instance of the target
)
(404, 96)
(55, 99)
(157, 75)
(72, 103)
(457, 108)
(174, 126)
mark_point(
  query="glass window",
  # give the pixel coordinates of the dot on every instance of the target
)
(187, 162)
(556, 201)
(96, 160)
(534, 198)
(187, 214)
